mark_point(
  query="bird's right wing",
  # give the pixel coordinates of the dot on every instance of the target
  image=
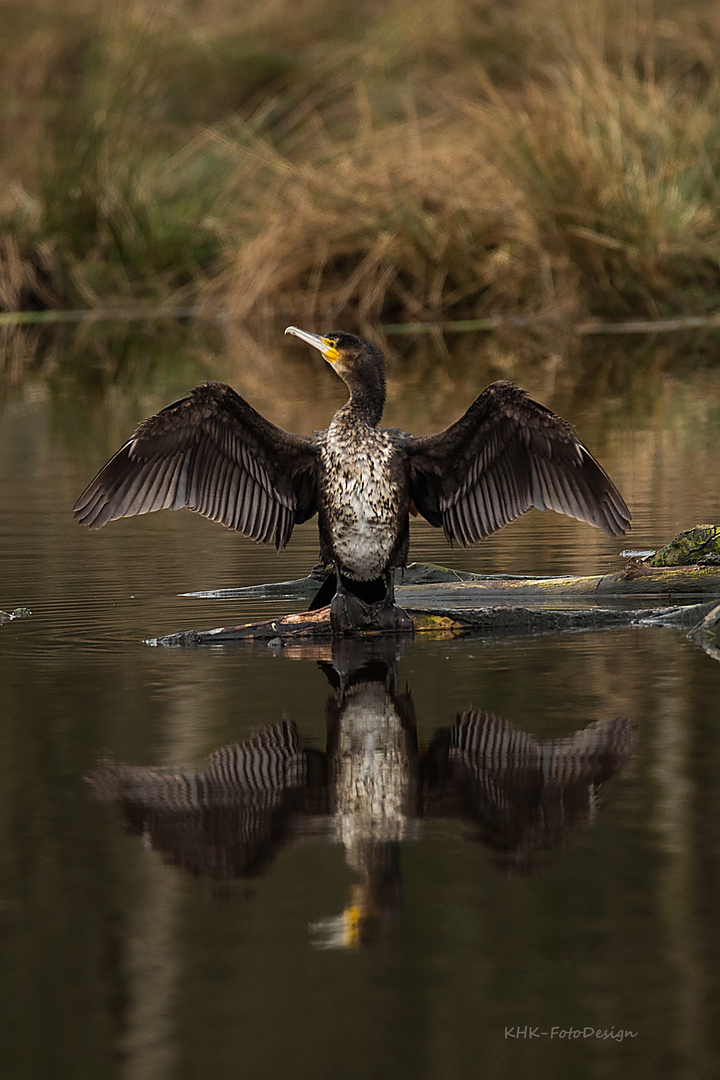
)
(212, 452)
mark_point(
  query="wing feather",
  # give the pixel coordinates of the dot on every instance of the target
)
(253, 510)
(474, 513)
(270, 524)
(242, 506)
(231, 494)
(145, 496)
(213, 453)
(221, 489)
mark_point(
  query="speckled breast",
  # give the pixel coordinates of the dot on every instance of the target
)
(363, 500)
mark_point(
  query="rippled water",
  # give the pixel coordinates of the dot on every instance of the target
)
(227, 862)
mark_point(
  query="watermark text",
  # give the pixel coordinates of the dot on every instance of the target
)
(527, 1031)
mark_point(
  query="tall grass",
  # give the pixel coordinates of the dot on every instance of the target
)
(389, 162)
(621, 174)
(387, 223)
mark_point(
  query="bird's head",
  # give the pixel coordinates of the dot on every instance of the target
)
(358, 362)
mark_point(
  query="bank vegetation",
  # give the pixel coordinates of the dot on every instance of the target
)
(376, 162)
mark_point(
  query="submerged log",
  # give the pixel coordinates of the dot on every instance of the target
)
(706, 633)
(17, 613)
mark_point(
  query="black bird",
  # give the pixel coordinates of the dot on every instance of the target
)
(212, 452)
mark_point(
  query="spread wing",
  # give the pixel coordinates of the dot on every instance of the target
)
(213, 453)
(506, 455)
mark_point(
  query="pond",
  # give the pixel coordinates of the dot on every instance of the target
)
(193, 886)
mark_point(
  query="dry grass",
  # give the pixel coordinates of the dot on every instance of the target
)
(398, 162)
(387, 224)
(620, 173)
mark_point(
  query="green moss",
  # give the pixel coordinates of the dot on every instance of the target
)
(688, 548)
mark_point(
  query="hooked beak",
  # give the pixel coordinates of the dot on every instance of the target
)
(323, 345)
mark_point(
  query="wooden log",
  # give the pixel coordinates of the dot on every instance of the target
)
(698, 546)
(307, 625)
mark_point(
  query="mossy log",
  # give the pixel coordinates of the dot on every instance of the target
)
(698, 546)
(635, 580)
(427, 583)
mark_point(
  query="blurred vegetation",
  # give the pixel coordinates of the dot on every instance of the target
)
(387, 161)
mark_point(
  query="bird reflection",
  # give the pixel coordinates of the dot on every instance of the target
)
(370, 790)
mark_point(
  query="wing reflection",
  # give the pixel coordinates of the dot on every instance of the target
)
(522, 795)
(370, 790)
(226, 820)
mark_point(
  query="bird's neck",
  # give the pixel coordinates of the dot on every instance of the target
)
(366, 402)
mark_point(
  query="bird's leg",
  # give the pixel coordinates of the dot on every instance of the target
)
(387, 614)
(389, 587)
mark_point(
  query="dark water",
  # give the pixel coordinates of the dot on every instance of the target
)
(191, 884)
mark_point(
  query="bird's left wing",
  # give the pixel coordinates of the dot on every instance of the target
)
(212, 452)
(506, 455)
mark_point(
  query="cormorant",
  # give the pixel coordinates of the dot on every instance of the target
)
(212, 452)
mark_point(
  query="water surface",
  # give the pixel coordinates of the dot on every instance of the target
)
(300, 934)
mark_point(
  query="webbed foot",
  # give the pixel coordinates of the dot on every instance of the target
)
(392, 619)
(347, 613)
